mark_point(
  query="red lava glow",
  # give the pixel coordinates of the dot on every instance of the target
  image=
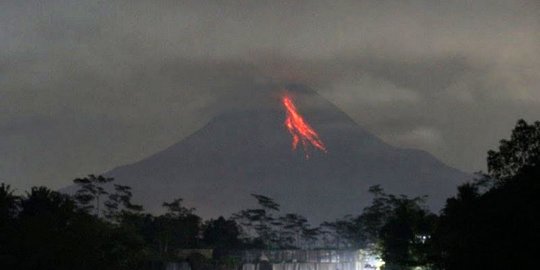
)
(299, 129)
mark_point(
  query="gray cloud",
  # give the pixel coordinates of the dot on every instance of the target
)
(89, 85)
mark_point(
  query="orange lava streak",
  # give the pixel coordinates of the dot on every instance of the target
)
(300, 130)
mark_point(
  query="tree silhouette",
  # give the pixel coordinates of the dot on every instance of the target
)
(221, 233)
(178, 228)
(176, 209)
(292, 228)
(404, 236)
(398, 226)
(8, 204)
(119, 205)
(261, 221)
(343, 232)
(91, 189)
(497, 227)
(48, 231)
(520, 151)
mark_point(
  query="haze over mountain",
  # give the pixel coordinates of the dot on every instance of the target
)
(248, 150)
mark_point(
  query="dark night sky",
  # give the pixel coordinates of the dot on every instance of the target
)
(86, 86)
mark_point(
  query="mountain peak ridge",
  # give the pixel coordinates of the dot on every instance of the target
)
(249, 150)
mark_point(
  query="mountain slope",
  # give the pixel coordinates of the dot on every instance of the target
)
(249, 151)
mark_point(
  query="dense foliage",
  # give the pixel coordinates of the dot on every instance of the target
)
(494, 223)
(46, 230)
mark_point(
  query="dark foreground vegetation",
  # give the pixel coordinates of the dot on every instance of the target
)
(492, 223)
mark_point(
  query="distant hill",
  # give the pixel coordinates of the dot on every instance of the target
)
(249, 151)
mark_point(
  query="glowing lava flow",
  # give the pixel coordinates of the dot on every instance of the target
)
(300, 130)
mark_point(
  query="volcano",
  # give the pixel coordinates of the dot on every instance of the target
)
(248, 150)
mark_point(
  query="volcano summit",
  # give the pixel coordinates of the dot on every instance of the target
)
(249, 151)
